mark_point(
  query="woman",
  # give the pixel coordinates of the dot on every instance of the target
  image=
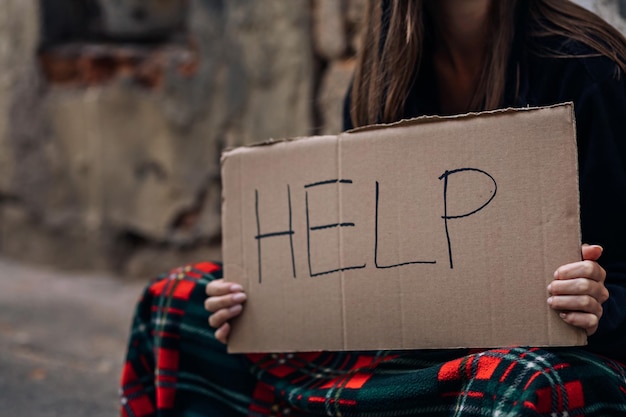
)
(434, 57)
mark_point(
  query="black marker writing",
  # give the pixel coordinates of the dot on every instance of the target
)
(447, 217)
(310, 229)
(289, 232)
(376, 241)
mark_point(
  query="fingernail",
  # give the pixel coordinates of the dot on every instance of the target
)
(556, 274)
(236, 287)
(549, 288)
(239, 297)
(550, 300)
(562, 315)
(235, 309)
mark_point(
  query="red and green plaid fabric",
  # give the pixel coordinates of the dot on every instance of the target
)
(175, 367)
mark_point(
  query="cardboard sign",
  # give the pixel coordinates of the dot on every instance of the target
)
(429, 233)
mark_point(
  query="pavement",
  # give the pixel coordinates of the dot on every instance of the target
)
(62, 341)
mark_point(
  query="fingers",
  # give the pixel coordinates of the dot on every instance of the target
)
(578, 290)
(221, 287)
(581, 311)
(579, 286)
(583, 269)
(215, 303)
(588, 322)
(225, 302)
(221, 316)
(591, 252)
(576, 303)
(222, 333)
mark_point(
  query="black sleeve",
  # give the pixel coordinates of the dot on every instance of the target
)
(601, 128)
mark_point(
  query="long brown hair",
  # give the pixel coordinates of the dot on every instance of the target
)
(394, 43)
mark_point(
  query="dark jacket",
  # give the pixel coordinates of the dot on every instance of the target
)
(598, 90)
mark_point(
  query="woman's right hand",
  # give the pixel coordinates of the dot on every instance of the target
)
(225, 301)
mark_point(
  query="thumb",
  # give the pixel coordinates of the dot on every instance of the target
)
(591, 252)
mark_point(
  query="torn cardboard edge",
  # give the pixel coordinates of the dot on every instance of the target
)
(400, 123)
(348, 232)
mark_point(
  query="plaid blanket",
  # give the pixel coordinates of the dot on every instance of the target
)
(175, 367)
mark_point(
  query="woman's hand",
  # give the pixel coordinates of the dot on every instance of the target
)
(225, 302)
(578, 290)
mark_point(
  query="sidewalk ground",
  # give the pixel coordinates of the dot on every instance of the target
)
(62, 341)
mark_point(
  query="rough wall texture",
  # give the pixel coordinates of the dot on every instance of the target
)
(19, 29)
(110, 135)
(103, 171)
(109, 152)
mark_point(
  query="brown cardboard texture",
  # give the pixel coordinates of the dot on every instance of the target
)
(430, 233)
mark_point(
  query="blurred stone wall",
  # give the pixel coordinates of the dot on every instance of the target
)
(113, 114)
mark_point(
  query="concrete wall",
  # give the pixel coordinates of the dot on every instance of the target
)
(109, 154)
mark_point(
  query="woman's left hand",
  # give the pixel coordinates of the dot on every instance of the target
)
(578, 290)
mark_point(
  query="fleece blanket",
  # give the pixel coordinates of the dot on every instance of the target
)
(175, 367)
